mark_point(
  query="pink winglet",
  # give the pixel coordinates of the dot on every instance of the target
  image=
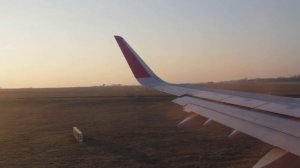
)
(136, 66)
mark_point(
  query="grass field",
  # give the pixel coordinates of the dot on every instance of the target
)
(123, 127)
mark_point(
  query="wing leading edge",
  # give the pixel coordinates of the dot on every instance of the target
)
(277, 118)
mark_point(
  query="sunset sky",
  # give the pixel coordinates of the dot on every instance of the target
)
(66, 43)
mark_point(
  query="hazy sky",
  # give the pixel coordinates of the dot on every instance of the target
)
(54, 43)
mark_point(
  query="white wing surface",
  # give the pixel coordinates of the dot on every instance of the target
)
(272, 119)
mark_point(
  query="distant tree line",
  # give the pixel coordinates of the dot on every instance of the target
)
(295, 78)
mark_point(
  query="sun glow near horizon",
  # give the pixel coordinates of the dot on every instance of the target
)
(70, 43)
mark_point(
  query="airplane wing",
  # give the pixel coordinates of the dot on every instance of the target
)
(272, 119)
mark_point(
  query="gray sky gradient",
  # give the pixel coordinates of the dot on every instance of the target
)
(61, 43)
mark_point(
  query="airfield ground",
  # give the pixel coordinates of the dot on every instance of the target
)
(123, 126)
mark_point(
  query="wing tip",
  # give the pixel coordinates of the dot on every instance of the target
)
(139, 69)
(118, 37)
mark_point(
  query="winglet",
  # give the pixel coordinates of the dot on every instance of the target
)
(139, 69)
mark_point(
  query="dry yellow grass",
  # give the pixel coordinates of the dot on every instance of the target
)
(122, 126)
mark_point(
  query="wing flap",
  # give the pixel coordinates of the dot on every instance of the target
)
(246, 102)
(277, 122)
(283, 108)
(280, 108)
(265, 134)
